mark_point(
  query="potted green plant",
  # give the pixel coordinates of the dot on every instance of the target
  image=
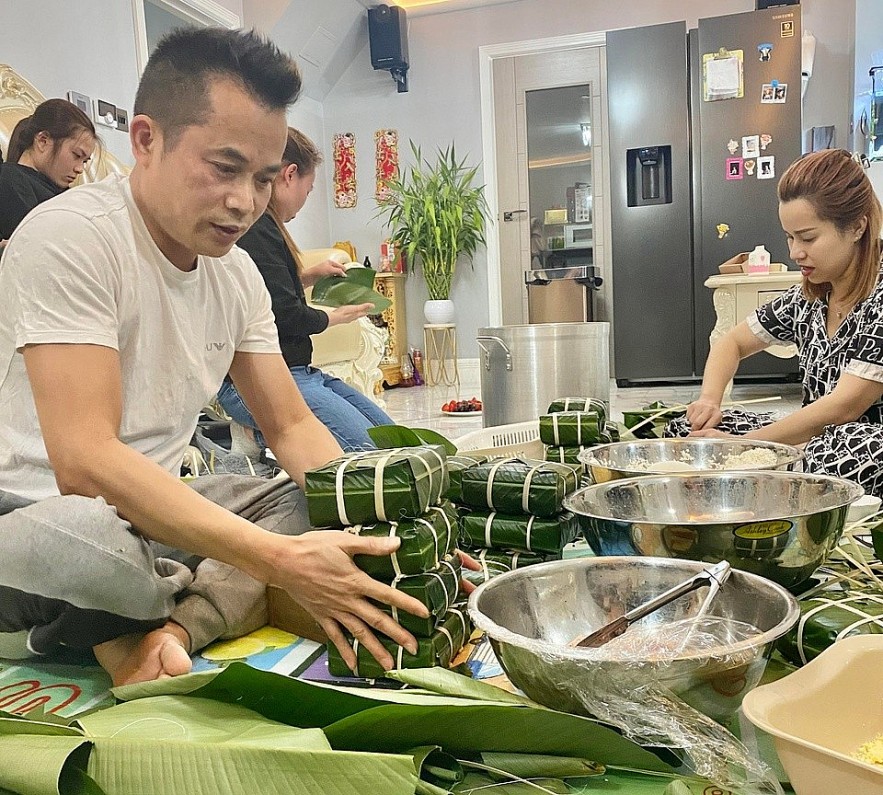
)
(436, 214)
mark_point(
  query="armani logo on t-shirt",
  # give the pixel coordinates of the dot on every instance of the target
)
(215, 346)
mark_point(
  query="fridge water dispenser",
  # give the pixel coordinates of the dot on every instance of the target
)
(649, 175)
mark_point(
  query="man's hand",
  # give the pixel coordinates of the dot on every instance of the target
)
(704, 414)
(468, 562)
(348, 313)
(327, 268)
(317, 569)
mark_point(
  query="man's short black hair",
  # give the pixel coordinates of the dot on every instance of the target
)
(174, 89)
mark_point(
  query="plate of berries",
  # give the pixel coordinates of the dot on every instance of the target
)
(471, 406)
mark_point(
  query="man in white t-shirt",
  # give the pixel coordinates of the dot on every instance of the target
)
(122, 306)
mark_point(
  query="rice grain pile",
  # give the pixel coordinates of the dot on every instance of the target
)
(871, 752)
(754, 458)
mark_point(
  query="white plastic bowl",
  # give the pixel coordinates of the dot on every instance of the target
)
(822, 713)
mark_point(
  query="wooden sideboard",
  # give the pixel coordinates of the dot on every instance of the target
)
(392, 285)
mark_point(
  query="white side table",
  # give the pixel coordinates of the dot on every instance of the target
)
(737, 295)
(440, 354)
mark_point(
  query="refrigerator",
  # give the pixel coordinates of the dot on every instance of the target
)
(701, 125)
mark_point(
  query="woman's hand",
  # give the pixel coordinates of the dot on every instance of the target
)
(348, 313)
(704, 414)
(468, 562)
(327, 268)
(711, 433)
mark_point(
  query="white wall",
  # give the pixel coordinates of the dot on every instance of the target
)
(444, 103)
(86, 46)
(311, 227)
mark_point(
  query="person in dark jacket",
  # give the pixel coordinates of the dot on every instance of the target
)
(345, 411)
(48, 150)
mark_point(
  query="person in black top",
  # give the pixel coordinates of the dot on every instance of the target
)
(48, 150)
(345, 411)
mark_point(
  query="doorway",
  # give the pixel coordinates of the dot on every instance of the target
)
(547, 163)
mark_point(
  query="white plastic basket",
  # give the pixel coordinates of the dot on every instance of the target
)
(517, 438)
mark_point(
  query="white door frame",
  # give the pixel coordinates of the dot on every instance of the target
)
(201, 12)
(486, 56)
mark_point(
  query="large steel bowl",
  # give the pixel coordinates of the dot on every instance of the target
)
(531, 614)
(637, 458)
(780, 525)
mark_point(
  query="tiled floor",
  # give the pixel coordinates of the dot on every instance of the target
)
(421, 406)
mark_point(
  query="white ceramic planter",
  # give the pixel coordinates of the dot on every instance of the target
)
(438, 312)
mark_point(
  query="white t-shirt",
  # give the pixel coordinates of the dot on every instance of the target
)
(82, 268)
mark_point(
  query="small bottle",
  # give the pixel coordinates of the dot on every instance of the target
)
(759, 260)
(367, 262)
(417, 357)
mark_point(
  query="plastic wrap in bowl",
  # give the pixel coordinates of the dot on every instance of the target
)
(532, 614)
(780, 525)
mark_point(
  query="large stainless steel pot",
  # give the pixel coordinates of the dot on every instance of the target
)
(524, 368)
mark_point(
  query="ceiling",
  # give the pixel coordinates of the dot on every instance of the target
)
(325, 36)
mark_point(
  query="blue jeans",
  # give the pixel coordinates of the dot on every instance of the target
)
(345, 411)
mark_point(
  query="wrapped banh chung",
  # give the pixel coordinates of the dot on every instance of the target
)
(376, 486)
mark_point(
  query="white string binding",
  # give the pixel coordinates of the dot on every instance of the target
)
(489, 492)
(527, 536)
(487, 528)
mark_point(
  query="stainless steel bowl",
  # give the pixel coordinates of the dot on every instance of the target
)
(531, 614)
(780, 525)
(636, 458)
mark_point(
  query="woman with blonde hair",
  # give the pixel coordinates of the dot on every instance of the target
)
(832, 220)
(345, 411)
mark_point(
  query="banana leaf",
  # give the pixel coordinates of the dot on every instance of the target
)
(579, 404)
(167, 745)
(653, 429)
(395, 721)
(438, 771)
(516, 485)
(539, 536)
(387, 436)
(424, 542)
(539, 766)
(439, 649)
(376, 485)
(456, 465)
(482, 784)
(572, 428)
(354, 288)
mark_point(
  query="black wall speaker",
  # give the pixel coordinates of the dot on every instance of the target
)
(388, 37)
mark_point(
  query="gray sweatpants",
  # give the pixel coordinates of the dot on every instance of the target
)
(73, 573)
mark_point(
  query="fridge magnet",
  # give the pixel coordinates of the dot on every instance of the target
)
(774, 93)
(734, 168)
(765, 50)
(722, 75)
(733, 145)
(788, 29)
(766, 93)
(766, 167)
(765, 140)
(780, 92)
(722, 231)
(751, 146)
(386, 161)
(344, 149)
(749, 167)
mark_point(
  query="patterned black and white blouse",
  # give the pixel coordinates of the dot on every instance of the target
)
(856, 347)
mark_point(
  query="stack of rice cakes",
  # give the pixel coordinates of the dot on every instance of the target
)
(572, 425)
(398, 493)
(511, 512)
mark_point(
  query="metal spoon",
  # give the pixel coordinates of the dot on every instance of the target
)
(713, 578)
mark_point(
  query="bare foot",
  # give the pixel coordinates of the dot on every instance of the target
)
(142, 658)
